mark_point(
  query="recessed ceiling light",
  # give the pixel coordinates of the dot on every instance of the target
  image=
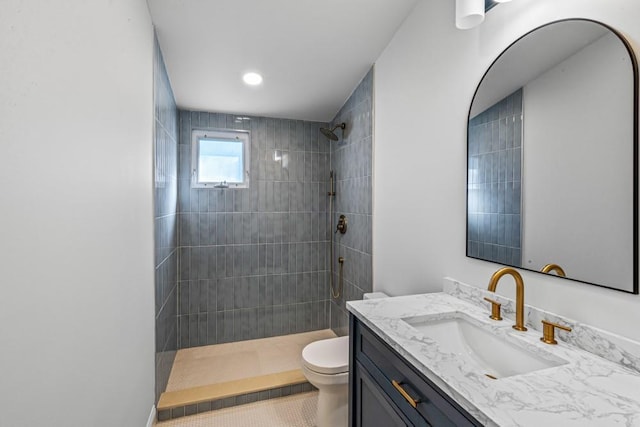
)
(252, 79)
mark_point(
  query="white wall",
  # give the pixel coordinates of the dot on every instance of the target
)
(425, 80)
(577, 168)
(76, 229)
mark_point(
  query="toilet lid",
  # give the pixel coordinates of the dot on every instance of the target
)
(330, 356)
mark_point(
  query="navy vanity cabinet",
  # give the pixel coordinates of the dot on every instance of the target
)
(373, 407)
(374, 399)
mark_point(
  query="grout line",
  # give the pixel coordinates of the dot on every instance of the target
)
(175, 250)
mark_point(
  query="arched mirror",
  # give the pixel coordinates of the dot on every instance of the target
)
(552, 156)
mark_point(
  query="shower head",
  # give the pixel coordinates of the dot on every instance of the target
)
(329, 133)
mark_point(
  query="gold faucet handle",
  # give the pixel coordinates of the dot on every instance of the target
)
(495, 309)
(548, 331)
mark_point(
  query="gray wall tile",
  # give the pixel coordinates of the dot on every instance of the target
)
(236, 263)
(352, 160)
(166, 229)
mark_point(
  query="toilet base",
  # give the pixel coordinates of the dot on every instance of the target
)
(325, 363)
(333, 407)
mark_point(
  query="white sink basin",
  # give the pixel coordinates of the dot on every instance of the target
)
(492, 355)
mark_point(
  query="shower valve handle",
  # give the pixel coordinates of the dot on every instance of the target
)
(342, 225)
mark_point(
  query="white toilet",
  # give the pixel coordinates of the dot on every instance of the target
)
(325, 363)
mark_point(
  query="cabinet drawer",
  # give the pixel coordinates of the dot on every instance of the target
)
(386, 366)
(374, 408)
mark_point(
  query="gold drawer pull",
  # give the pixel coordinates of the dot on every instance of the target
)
(398, 386)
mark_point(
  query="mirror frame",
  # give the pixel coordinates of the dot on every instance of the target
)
(634, 65)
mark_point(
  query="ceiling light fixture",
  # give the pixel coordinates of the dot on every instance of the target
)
(469, 13)
(252, 79)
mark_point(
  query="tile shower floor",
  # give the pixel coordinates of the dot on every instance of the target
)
(199, 366)
(298, 410)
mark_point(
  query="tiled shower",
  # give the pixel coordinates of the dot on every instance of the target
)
(238, 264)
(253, 261)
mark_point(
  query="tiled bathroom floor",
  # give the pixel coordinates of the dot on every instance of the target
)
(298, 410)
(199, 366)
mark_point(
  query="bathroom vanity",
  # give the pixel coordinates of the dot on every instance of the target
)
(407, 370)
(377, 399)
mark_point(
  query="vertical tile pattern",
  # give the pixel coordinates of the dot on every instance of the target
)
(253, 262)
(494, 182)
(165, 224)
(352, 162)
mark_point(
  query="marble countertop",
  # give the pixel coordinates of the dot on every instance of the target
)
(587, 391)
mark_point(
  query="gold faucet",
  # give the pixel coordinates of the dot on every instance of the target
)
(553, 267)
(493, 283)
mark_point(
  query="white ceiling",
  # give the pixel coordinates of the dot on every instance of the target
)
(312, 53)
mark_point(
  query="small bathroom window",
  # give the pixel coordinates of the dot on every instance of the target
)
(220, 159)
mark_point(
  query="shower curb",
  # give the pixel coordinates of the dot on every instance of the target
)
(228, 402)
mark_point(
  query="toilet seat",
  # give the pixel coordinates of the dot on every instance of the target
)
(329, 357)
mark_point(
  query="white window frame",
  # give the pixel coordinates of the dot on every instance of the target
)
(225, 134)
